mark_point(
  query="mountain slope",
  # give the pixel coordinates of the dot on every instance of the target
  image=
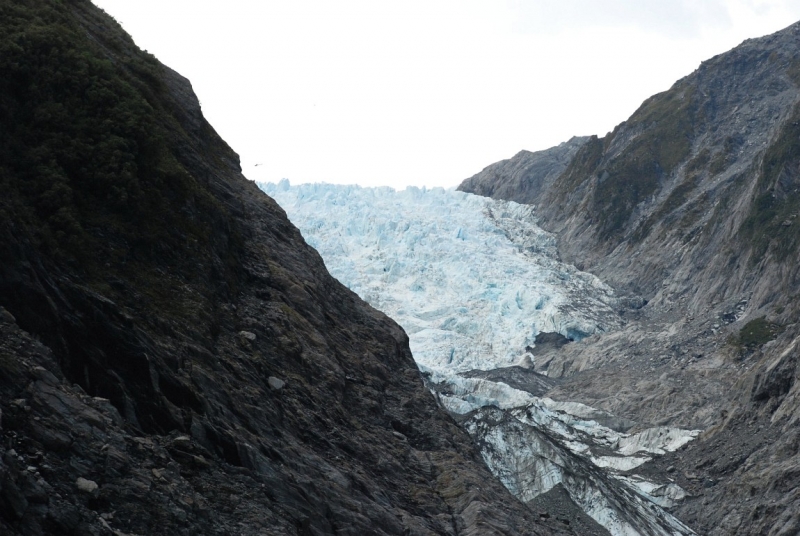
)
(175, 359)
(695, 169)
(526, 176)
(691, 205)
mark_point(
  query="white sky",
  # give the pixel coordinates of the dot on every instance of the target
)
(427, 92)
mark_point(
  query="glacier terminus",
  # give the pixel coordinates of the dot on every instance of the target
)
(473, 281)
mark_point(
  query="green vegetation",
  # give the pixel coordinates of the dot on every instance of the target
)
(756, 333)
(694, 212)
(681, 195)
(666, 122)
(678, 196)
(697, 164)
(771, 225)
(718, 164)
(794, 72)
(663, 128)
(676, 199)
(723, 158)
(89, 160)
(581, 167)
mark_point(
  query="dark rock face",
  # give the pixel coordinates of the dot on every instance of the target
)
(174, 359)
(691, 205)
(558, 504)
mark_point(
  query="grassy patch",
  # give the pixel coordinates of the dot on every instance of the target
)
(662, 129)
(675, 200)
(667, 125)
(723, 158)
(757, 332)
(718, 164)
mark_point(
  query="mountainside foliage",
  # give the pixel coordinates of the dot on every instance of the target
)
(88, 159)
(772, 222)
(665, 122)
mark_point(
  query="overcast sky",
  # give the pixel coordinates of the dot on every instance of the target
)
(427, 92)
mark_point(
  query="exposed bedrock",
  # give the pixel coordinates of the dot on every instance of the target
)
(690, 207)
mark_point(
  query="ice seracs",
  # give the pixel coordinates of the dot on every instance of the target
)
(473, 281)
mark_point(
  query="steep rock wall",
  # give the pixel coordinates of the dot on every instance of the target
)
(174, 358)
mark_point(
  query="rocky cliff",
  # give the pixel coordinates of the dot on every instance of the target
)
(690, 206)
(174, 359)
(525, 177)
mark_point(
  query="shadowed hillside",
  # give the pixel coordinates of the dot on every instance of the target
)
(174, 359)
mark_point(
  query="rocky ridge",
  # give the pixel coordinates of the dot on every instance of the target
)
(174, 358)
(690, 208)
(526, 176)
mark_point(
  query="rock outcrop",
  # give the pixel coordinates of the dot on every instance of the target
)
(690, 207)
(174, 358)
(526, 176)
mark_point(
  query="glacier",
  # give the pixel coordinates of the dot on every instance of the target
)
(473, 281)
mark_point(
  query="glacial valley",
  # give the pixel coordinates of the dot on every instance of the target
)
(474, 281)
